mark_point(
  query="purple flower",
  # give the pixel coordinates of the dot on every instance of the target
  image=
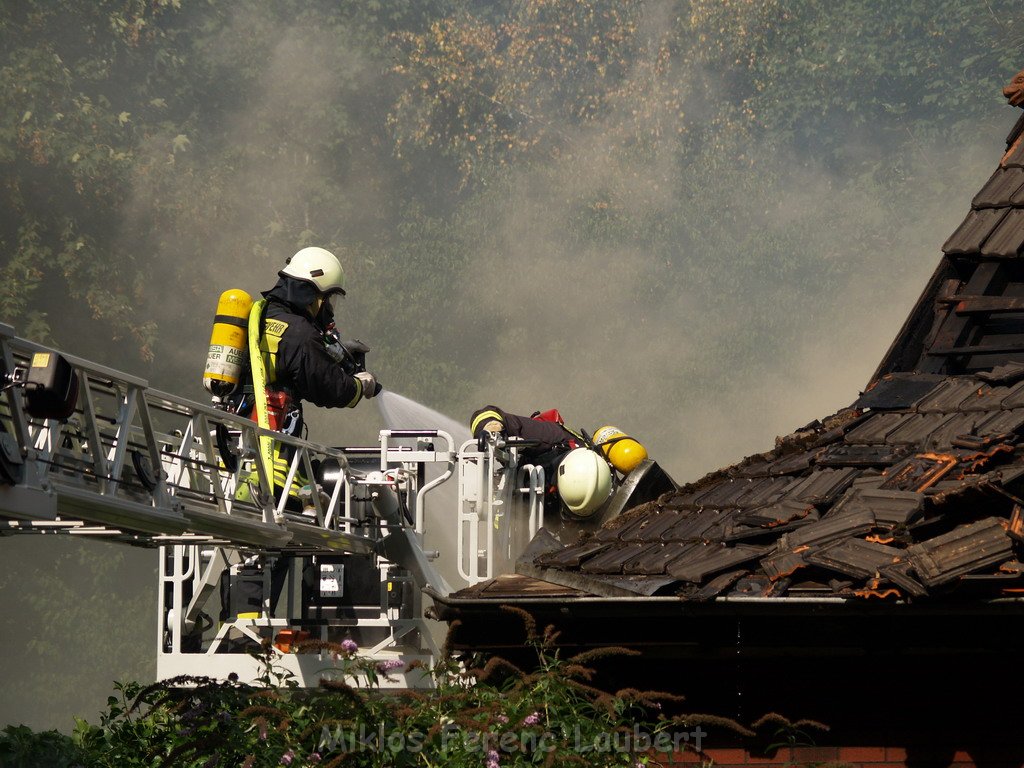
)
(493, 759)
(314, 757)
(383, 667)
(287, 757)
(349, 645)
(502, 719)
(532, 719)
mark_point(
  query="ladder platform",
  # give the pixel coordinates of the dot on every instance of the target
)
(144, 467)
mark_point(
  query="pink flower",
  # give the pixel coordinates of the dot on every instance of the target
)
(493, 759)
(383, 667)
(532, 719)
(502, 719)
(287, 757)
(349, 645)
(314, 758)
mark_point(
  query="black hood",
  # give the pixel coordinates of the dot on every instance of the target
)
(297, 295)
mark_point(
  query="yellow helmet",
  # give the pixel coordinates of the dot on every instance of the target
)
(624, 453)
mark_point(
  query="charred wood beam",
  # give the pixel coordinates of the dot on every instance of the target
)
(979, 349)
(956, 331)
(972, 305)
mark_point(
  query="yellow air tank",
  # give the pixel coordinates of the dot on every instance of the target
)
(624, 453)
(228, 343)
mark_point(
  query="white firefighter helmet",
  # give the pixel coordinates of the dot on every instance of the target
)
(584, 481)
(319, 267)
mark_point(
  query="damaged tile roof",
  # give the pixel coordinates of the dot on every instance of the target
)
(970, 317)
(887, 501)
(914, 491)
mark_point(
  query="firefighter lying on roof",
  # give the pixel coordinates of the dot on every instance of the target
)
(578, 463)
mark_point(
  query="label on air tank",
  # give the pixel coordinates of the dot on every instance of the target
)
(224, 361)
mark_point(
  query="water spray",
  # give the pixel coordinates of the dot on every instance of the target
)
(400, 412)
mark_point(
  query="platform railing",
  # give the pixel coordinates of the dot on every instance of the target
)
(135, 463)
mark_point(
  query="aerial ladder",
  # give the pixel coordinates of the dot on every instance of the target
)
(337, 553)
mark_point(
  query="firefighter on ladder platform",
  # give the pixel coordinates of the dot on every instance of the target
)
(295, 354)
(265, 358)
(579, 463)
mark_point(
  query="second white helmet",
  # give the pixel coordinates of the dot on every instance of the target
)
(319, 267)
(584, 481)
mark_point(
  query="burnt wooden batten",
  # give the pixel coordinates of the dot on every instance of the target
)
(971, 315)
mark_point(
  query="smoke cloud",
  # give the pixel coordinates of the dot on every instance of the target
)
(702, 307)
(793, 289)
(249, 211)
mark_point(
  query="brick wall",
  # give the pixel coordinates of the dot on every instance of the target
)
(924, 755)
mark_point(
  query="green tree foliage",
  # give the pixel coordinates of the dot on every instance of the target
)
(500, 89)
(138, 139)
(750, 155)
(636, 211)
(73, 81)
(807, 70)
(149, 145)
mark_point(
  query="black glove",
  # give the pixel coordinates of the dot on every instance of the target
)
(357, 351)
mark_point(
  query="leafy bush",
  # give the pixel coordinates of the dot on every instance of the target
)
(20, 747)
(494, 715)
